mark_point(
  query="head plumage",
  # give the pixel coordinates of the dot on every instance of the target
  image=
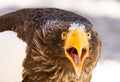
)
(77, 26)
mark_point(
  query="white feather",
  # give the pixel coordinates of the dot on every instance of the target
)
(76, 26)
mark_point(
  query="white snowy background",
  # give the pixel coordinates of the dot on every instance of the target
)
(104, 15)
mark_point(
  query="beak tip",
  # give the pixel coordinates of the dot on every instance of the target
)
(78, 73)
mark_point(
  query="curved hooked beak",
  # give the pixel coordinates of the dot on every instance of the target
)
(76, 48)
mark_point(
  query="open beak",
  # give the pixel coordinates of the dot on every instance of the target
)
(76, 48)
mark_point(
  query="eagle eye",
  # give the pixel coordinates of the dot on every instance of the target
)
(64, 35)
(88, 34)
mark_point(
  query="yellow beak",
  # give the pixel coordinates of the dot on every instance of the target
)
(76, 48)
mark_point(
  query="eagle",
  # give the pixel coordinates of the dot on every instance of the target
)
(61, 46)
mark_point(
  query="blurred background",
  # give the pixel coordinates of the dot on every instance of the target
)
(103, 14)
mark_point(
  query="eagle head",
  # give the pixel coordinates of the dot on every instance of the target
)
(68, 43)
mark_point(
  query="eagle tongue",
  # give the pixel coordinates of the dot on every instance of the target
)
(75, 56)
(77, 60)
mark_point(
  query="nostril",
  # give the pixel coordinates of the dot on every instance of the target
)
(73, 34)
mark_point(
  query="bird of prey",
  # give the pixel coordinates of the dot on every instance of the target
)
(61, 46)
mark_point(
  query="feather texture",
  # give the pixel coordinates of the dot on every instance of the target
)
(45, 59)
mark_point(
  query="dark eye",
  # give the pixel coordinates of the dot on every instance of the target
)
(88, 35)
(64, 35)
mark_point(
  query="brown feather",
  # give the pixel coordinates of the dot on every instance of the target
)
(45, 59)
